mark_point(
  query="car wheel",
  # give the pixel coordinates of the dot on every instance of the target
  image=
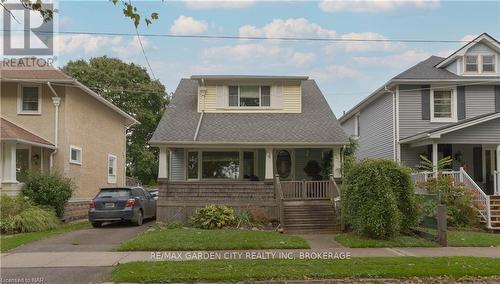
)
(140, 219)
(96, 224)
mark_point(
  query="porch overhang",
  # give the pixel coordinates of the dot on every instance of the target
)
(261, 145)
(450, 133)
(10, 132)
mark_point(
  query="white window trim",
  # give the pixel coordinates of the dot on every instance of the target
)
(494, 64)
(454, 106)
(260, 106)
(76, 162)
(480, 64)
(112, 177)
(356, 125)
(20, 99)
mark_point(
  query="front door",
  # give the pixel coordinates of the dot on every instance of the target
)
(489, 169)
(284, 164)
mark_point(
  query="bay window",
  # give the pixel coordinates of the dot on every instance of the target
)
(249, 96)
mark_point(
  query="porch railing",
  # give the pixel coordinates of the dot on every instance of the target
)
(307, 189)
(481, 200)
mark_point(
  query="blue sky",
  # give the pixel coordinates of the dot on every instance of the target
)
(346, 72)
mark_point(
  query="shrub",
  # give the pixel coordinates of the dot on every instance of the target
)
(213, 216)
(20, 215)
(379, 199)
(459, 201)
(369, 203)
(49, 189)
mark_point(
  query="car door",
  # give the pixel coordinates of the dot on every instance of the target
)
(149, 204)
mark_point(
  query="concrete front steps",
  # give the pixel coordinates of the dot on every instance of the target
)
(495, 212)
(310, 216)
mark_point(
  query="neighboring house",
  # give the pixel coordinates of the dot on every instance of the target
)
(52, 123)
(223, 139)
(437, 108)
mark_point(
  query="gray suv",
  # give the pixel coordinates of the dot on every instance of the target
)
(130, 204)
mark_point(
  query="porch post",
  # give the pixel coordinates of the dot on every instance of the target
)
(269, 164)
(9, 162)
(336, 163)
(163, 163)
(497, 176)
(435, 158)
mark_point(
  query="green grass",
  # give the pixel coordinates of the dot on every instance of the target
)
(252, 270)
(353, 241)
(197, 239)
(472, 239)
(8, 242)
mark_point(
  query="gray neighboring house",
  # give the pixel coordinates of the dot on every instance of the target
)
(225, 139)
(439, 107)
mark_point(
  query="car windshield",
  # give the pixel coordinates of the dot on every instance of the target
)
(110, 193)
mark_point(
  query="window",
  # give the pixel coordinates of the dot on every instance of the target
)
(29, 101)
(488, 63)
(192, 165)
(471, 63)
(224, 165)
(111, 168)
(75, 155)
(357, 130)
(284, 164)
(249, 96)
(443, 106)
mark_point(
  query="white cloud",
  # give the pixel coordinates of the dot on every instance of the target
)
(218, 4)
(301, 27)
(399, 61)
(250, 53)
(188, 26)
(298, 27)
(374, 5)
(331, 72)
(469, 37)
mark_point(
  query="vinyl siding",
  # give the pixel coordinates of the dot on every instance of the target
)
(410, 112)
(479, 100)
(410, 156)
(177, 164)
(349, 126)
(485, 133)
(292, 101)
(376, 130)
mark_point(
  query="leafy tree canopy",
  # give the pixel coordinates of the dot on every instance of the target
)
(130, 88)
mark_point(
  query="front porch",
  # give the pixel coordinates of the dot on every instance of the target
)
(260, 179)
(21, 152)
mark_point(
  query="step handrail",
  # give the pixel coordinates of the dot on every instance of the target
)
(482, 198)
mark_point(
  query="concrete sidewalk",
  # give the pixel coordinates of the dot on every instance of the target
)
(101, 259)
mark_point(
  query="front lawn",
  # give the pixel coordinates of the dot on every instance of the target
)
(198, 239)
(352, 240)
(252, 270)
(472, 239)
(8, 242)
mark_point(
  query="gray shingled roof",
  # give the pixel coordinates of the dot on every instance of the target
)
(316, 123)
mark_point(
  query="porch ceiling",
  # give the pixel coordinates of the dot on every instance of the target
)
(11, 132)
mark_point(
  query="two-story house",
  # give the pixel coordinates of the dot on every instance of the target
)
(52, 123)
(223, 139)
(440, 107)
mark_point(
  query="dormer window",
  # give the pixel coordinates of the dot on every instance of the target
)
(249, 96)
(471, 64)
(488, 63)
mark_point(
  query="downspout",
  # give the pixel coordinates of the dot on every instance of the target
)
(203, 92)
(56, 100)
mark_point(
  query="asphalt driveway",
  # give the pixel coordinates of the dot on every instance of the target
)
(105, 238)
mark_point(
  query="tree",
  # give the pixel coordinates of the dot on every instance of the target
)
(130, 88)
(129, 10)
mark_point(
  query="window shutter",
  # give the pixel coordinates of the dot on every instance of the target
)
(221, 94)
(426, 102)
(497, 98)
(461, 102)
(277, 97)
